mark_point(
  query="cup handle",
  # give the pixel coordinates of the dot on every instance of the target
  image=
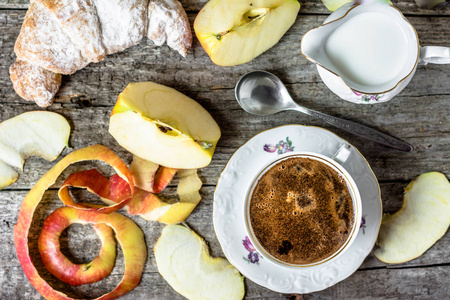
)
(342, 155)
(434, 55)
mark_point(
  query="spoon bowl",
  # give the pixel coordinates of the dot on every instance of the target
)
(262, 93)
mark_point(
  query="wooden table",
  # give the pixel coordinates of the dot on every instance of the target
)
(419, 115)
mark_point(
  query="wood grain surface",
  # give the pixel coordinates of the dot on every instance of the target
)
(418, 115)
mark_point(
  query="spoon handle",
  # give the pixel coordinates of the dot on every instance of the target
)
(359, 130)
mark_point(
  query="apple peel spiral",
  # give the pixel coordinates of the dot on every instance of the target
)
(129, 235)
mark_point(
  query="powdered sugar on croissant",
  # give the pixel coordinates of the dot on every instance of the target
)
(78, 18)
(169, 23)
(33, 83)
(42, 42)
(123, 22)
(63, 36)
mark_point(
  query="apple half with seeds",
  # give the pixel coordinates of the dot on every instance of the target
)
(234, 32)
(160, 124)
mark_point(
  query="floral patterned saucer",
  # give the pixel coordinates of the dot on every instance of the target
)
(229, 209)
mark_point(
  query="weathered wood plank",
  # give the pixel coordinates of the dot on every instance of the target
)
(200, 221)
(427, 131)
(81, 245)
(418, 115)
(423, 283)
(152, 286)
(307, 6)
(99, 84)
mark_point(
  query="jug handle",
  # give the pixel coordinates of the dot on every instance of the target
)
(434, 55)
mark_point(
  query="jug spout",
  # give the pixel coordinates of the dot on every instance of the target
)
(312, 45)
(314, 41)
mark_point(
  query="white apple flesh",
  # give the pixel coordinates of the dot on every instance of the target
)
(332, 5)
(37, 133)
(234, 32)
(423, 219)
(183, 260)
(7, 175)
(160, 124)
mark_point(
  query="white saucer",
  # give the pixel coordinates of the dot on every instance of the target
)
(230, 194)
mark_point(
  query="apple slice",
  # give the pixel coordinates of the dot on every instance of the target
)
(428, 3)
(332, 5)
(39, 133)
(161, 125)
(149, 176)
(422, 221)
(7, 175)
(234, 32)
(144, 173)
(183, 260)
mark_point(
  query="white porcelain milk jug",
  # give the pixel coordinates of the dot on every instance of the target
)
(367, 52)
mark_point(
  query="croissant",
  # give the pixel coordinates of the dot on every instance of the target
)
(63, 36)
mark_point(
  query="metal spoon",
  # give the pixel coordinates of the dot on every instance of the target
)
(262, 93)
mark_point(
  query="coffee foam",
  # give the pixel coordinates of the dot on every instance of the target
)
(301, 211)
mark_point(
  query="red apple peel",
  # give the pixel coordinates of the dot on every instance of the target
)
(150, 176)
(128, 234)
(145, 204)
(188, 191)
(163, 177)
(95, 182)
(150, 207)
(60, 266)
(134, 242)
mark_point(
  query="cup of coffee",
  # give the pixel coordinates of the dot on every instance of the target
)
(303, 209)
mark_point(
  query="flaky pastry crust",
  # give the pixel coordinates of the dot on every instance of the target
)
(34, 83)
(63, 36)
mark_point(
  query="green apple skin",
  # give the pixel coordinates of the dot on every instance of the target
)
(234, 32)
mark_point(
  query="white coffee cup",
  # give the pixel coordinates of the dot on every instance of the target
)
(335, 163)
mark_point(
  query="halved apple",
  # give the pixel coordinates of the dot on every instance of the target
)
(234, 32)
(160, 124)
(422, 221)
(40, 133)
